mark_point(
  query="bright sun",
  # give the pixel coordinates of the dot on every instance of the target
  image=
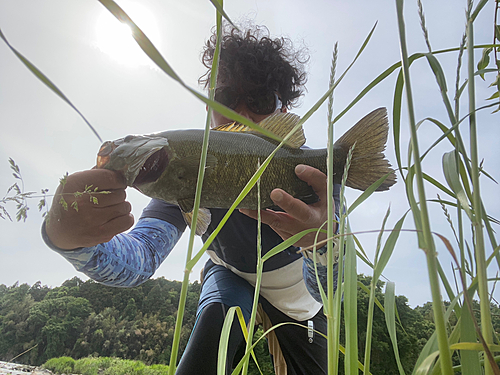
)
(115, 38)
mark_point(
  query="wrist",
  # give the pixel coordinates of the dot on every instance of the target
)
(51, 229)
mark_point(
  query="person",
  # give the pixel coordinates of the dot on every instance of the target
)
(257, 76)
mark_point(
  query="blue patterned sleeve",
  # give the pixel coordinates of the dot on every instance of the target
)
(129, 259)
(309, 272)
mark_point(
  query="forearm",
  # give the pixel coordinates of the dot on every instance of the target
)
(129, 259)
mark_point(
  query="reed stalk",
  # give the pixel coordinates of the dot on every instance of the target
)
(371, 304)
(470, 359)
(199, 185)
(479, 249)
(428, 242)
(333, 342)
(260, 268)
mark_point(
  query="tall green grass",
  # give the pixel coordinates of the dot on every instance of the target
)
(473, 342)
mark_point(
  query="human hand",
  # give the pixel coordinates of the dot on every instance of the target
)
(298, 216)
(93, 223)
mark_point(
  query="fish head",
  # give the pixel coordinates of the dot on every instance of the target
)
(141, 159)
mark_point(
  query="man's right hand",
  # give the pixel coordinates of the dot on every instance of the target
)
(93, 223)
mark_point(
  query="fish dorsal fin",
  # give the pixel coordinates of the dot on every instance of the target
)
(233, 127)
(280, 124)
(203, 220)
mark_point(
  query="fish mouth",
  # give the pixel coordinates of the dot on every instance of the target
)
(104, 154)
(152, 169)
(141, 159)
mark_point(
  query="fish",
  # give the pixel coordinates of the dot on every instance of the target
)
(165, 165)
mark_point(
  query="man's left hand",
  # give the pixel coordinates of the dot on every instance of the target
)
(298, 216)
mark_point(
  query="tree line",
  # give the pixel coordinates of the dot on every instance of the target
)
(80, 319)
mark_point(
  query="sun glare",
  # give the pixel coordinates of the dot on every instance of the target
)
(115, 38)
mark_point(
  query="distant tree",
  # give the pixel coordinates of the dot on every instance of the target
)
(38, 292)
(15, 304)
(56, 323)
(97, 294)
(154, 300)
(130, 311)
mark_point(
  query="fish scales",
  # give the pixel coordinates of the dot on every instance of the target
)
(236, 157)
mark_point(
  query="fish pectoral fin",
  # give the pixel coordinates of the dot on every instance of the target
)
(279, 124)
(202, 221)
(187, 167)
(186, 204)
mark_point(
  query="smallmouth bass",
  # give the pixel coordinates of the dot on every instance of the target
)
(165, 165)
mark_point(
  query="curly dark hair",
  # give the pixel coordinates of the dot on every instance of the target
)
(250, 60)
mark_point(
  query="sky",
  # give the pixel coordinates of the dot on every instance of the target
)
(88, 56)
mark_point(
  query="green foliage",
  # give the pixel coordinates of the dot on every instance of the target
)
(413, 332)
(92, 366)
(103, 366)
(80, 319)
(60, 365)
(96, 324)
(261, 351)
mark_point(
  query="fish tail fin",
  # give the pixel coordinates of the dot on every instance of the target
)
(368, 162)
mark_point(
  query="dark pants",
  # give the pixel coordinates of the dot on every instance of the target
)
(223, 289)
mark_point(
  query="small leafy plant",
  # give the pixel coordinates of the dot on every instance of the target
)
(20, 197)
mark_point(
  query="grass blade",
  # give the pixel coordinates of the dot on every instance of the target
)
(42, 77)
(388, 249)
(224, 337)
(219, 8)
(452, 177)
(389, 304)
(367, 193)
(351, 307)
(152, 52)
